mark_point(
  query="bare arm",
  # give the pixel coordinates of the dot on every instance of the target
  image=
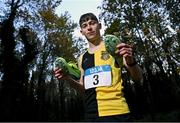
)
(76, 84)
(125, 51)
(134, 70)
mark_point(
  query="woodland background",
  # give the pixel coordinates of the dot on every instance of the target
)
(32, 36)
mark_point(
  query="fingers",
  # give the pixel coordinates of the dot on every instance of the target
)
(58, 73)
(124, 50)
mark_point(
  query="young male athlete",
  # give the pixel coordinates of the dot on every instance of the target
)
(101, 81)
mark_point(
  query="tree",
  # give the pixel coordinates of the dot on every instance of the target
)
(147, 26)
(31, 36)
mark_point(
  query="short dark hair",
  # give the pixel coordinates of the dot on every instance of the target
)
(86, 17)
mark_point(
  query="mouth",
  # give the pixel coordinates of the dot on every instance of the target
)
(91, 33)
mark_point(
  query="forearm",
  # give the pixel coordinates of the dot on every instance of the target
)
(77, 85)
(135, 72)
(125, 51)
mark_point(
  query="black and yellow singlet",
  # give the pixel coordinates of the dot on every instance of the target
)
(106, 99)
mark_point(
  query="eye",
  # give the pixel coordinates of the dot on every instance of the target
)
(92, 22)
(83, 25)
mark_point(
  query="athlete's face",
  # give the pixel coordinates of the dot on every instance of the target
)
(91, 30)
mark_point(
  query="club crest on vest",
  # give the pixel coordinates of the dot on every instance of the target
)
(105, 55)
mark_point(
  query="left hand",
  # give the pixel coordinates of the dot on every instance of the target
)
(125, 51)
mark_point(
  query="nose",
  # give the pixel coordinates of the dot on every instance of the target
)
(89, 27)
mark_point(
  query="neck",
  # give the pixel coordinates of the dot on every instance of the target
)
(95, 45)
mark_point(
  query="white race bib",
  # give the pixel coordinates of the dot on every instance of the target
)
(97, 76)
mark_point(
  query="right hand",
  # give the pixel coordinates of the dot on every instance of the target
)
(58, 73)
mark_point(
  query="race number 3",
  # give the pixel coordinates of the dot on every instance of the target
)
(97, 76)
(96, 79)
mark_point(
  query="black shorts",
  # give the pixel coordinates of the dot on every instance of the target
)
(113, 118)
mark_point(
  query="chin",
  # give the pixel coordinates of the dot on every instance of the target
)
(92, 39)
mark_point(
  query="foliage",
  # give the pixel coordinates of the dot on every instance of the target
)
(31, 36)
(152, 28)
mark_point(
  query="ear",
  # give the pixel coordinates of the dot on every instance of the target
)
(81, 32)
(100, 26)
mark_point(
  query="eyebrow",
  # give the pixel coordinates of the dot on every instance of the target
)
(90, 21)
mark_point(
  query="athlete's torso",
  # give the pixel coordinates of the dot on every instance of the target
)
(103, 100)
